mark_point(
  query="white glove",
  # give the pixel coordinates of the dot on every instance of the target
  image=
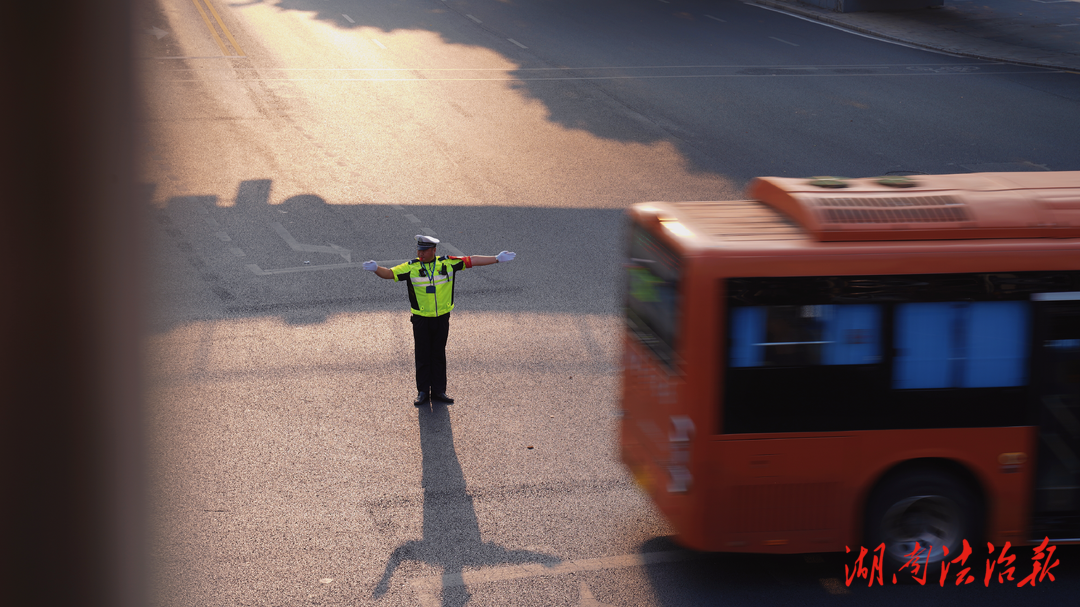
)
(371, 266)
(506, 256)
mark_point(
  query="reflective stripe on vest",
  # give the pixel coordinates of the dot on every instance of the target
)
(421, 278)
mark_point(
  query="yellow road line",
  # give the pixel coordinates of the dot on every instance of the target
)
(228, 34)
(210, 27)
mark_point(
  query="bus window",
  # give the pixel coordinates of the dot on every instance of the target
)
(652, 302)
(997, 344)
(792, 336)
(797, 362)
(777, 336)
(961, 345)
(924, 346)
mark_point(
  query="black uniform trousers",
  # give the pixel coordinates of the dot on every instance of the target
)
(429, 346)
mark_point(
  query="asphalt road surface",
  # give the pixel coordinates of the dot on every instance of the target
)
(288, 141)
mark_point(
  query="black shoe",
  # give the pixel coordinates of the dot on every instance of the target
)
(444, 398)
(421, 399)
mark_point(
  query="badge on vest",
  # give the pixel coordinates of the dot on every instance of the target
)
(430, 289)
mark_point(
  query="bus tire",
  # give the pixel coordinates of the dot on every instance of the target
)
(925, 506)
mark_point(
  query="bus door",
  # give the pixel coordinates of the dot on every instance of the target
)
(1057, 393)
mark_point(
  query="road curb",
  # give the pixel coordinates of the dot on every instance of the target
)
(934, 39)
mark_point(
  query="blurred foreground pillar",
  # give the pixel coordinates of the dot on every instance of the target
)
(70, 441)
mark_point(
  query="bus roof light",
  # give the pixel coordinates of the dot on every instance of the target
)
(676, 228)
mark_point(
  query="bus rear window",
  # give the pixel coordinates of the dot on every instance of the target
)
(652, 295)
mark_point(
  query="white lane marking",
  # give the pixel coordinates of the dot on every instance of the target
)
(451, 249)
(348, 18)
(223, 236)
(333, 249)
(398, 207)
(853, 32)
(378, 44)
(238, 252)
(258, 271)
(945, 70)
(412, 218)
(587, 599)
(473, 18)
(426, 588)
(1068, 24)
(716, 19)
(428, 231)
(517, 43)
(255, 269)
(784, 41)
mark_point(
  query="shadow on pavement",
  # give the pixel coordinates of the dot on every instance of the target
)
(451, 532)
(300, 259)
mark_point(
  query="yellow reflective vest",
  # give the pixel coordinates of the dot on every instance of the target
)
(431, 285)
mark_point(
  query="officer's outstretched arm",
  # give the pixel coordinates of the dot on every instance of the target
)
(381, 272)
(485, 260)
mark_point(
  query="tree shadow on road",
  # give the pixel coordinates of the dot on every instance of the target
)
(451, 532)
(248, 256)
(575, 94)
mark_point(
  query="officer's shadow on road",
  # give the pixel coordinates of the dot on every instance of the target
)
(451, 531)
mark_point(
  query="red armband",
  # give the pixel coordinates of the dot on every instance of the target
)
(467, 259)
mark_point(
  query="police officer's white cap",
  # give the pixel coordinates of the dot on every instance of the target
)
(426, 242)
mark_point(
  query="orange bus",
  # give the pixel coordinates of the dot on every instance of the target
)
(849, 362)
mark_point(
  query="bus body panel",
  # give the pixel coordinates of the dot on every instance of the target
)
(796, 493)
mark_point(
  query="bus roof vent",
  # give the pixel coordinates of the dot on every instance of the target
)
(911, 209)
(936, 207)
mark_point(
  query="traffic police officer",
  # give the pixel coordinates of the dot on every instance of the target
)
(431, 295)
